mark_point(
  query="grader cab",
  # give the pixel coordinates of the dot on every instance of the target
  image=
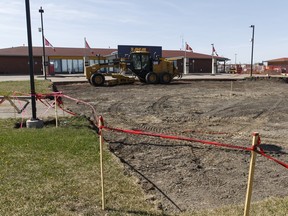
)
(152, 70)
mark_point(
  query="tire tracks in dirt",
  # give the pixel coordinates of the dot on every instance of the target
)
(158, 105)
(260, 118)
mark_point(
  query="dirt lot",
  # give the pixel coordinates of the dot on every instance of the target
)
(185, 175)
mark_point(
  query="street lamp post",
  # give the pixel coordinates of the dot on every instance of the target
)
(235, 59)
(41, 11)
(252, 40)
(33, 122)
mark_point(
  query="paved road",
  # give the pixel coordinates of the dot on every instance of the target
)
(81, 78)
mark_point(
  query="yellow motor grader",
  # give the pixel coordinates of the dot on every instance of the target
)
(146, 68)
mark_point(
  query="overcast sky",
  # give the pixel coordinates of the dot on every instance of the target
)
(166, 23)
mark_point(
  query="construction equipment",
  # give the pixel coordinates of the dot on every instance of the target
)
(96, 75)
(147, 69)
(235, 69)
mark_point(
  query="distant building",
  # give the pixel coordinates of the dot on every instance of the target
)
(277, 65)
(15, 60)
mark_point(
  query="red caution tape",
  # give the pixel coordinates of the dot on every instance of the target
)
(58, 100)
(255, 148)
(138, 132)
(271, 158)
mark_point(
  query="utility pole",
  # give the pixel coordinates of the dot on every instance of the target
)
(41, 11)
(252, 40)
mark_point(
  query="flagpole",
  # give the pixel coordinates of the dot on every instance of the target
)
(85, 54)
(184, 61)
(86, 59)
(213, 69)
(182, 42)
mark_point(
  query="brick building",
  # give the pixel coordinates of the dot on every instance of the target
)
(15, 60)
(278, 65)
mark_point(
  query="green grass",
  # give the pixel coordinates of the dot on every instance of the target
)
(269, 207)
(55, 171)
(9, 87)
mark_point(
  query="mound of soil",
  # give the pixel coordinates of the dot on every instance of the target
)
(180, 175)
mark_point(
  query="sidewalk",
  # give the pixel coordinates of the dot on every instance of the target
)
(42, 111)
(8, 111)
(57, 78)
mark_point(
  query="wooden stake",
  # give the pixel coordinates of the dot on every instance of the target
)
(251, 175)
(56, 112)
(14, 110)
(101, 161)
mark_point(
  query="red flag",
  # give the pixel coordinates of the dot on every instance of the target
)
(188, 47)
(87, 46)
(47, 43)
(214, 51)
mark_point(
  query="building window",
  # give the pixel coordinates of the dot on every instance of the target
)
(91, 61)
(57, 65)
(70, 65)
(64, 66)
(75, 67)
(81, 65)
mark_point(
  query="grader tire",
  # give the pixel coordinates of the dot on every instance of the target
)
(97, 79)
(152, 78)
(165, 78)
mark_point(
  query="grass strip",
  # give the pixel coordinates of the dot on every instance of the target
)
(55, 171)
(8, 88)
